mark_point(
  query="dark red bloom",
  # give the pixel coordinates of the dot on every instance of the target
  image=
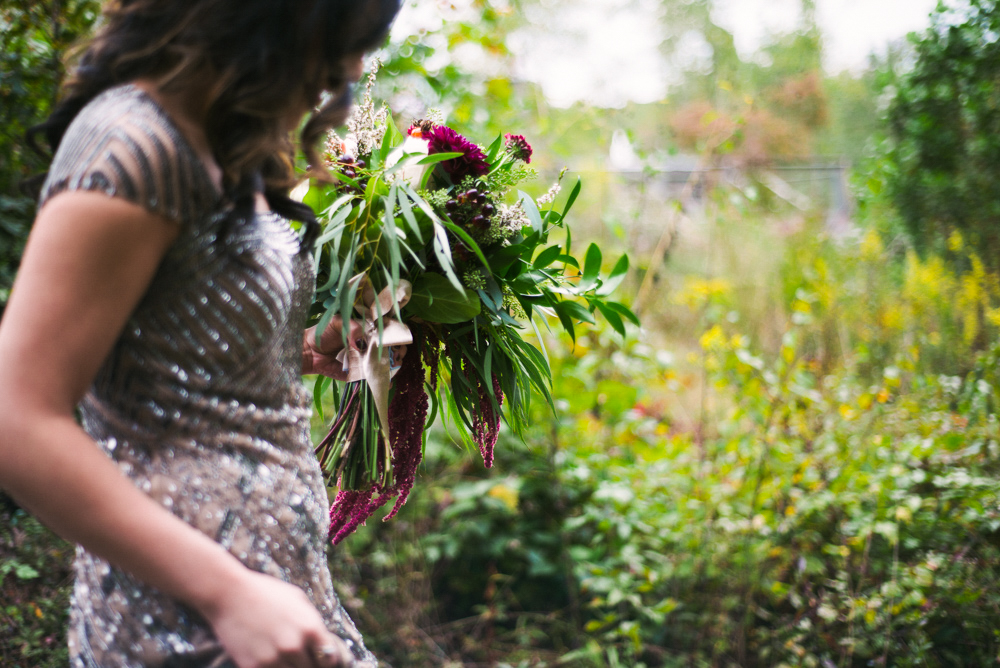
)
(518, 147)
(442, 139)
(486, 423)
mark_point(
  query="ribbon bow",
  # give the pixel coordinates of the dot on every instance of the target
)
(372, 359)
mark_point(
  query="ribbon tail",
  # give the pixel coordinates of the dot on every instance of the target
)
(379, 377)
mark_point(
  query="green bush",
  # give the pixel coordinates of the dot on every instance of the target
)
(944, 129)
(34, 39)
(34, 592)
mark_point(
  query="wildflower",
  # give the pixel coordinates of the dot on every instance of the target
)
(518, 147)
(550, 196)
(507, 222)
(337, 147)
(420, 129)
(442, 139)
(366, 123)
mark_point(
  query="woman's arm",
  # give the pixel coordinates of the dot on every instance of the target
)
(89, 260)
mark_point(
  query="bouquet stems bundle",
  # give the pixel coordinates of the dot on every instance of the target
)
(356, 451)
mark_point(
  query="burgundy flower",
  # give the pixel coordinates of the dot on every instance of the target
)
(486, 423)
(518, 147)
(442, 139)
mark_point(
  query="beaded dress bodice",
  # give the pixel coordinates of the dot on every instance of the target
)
(200, 402)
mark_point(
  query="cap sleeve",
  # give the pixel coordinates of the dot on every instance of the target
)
(122, 144)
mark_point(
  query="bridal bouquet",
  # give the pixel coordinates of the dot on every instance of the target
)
(427, 241)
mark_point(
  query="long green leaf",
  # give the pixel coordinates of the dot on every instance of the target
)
(391, 237)
(494, 150)
(625, 312)
(591, 267)
(574, 310)
(469, 241)
(546, 257)
(611, 316)
(531, 209)
(439, 157)
(571, 200)
(615, 278)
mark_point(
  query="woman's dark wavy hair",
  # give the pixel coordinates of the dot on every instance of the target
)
(266, 57)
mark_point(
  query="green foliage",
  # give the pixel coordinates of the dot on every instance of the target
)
(34, 593)
(482, 268)
(832, 501)
(829, 523)
(34, 38)
(944, 128)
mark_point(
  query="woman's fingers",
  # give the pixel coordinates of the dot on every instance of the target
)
(332, 652)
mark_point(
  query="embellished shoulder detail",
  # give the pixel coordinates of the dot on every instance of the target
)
(123, 144)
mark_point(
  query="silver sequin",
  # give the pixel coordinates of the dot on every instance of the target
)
(200, 401)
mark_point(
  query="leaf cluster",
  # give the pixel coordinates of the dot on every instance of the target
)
(467, 287)
(943, 160)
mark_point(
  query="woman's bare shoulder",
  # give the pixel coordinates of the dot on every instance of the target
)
(89, 260)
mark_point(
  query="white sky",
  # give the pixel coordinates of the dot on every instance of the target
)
(852, 28)
(607, 51)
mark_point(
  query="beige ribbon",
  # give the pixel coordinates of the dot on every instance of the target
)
(373, 362)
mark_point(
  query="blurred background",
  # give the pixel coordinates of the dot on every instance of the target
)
(793, 461)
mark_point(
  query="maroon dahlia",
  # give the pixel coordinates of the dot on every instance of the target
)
(442, 139)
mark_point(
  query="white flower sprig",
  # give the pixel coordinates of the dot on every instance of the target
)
(366, 126)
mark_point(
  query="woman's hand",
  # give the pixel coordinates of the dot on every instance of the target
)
(264, 622)
(322, 359)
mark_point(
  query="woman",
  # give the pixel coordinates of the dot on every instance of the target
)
(164, 292)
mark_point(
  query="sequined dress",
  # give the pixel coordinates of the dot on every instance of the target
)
(200, 402)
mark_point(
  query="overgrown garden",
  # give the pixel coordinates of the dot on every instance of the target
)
(793, 463)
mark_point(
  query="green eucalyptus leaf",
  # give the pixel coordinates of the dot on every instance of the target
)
(501, 260)
(435, 299)
(546, 257)
(625, 312)
(531, 209)
(613, 318)
(567, 323)
(615, 278)
(569, 261)
(574, 310)
(591, 267)
(439, 157)
(571, 200)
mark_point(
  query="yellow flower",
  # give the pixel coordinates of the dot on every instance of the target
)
(871, 246)
(713, 339)
(508, 495)
(955, 241)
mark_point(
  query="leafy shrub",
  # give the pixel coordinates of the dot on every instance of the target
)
(34, 38)
(34, 592)
(944, 126)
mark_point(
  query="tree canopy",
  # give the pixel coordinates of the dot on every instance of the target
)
(944, 130)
